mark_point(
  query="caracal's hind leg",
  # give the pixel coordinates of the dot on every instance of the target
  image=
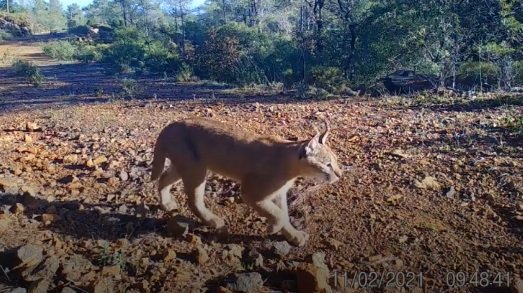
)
(194, 185)
(167, 179)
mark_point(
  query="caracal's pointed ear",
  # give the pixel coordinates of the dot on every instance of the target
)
(325, 134)
(311, 147)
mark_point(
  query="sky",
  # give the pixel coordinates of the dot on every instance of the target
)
(83, 3)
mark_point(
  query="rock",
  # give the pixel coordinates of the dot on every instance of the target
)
(517, 285)
(111, 271)
(4, 223)
(312, 279)
(246, 282)
(18, 290)
(31, 126)
(70, 159)
(281, 248)
(48, 219)
(67, 290)
(18, 209)
(255, 258)
(169, 255)
(103, 285)
(99, 160)
(201, 255)
(74, 267)
(177, 226)
(39, 286)
(29, 255)
(45, 270)
(123, 175)
(407, 82)
(451, 192)
(314, 276)
(222, 289)
(333, 243)
(28, 138)
(429, 183)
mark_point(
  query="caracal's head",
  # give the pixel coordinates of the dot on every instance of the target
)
(318, 160)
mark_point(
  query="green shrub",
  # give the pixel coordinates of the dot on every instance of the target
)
(129, 87)
(327, 78)
(60, 50)
(29, 71)
(185, 74)
(518, 72)
(5, 36)
(80, 30)
(477, 72)
(88, 53)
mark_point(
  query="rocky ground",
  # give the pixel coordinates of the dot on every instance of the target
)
(433, 191)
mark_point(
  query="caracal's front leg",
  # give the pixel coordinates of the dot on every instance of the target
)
(168, 178)
(194, 185)
(277, 219)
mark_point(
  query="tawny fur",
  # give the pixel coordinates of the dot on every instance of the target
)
(266, 167)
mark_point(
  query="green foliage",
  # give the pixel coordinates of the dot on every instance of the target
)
(518, 72)
(129, 87)
(327, 78)
(28, 70)
(5, 36)
(476, 72)
(132, 51)
(60, 50)
(185, 74)
(88, 53)
(514, 123)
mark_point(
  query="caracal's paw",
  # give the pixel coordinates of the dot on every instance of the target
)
(169, 206)
(275, 228)
(297, 238)
(217, 223)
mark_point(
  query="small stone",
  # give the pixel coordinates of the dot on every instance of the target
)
(334, 243)
(403, 239)
(28, 138)
(429, 183)
(99, 160)
(517, 285)
(70, 159)
(18, 290)
(281, 248)
(311, 278)
(39, 286)
(31, 126)
(4, 223)
(169, 255)
(18, 209)
(111, 271)
(45, 270)
(103, 285)
(29, 255)
(124, 176)
(246, 282)
(201, 255)
(48, 219)
(67, 290)
(451, 192)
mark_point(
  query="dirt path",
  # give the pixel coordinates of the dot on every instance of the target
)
(435, 191)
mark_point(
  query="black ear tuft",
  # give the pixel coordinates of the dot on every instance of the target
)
(302, 154)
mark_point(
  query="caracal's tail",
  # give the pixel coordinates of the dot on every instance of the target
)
(158, 157)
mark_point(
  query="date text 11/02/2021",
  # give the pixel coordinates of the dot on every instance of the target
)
(412, 280)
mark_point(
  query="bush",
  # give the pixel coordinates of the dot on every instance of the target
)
(88, 53)
(132, 51)
(81, 30)
(327, 78)
(185, 74)
(60, 50)
(129, 87)
(5, 36)
(29, 71)
(476, 72)
(518, 72)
